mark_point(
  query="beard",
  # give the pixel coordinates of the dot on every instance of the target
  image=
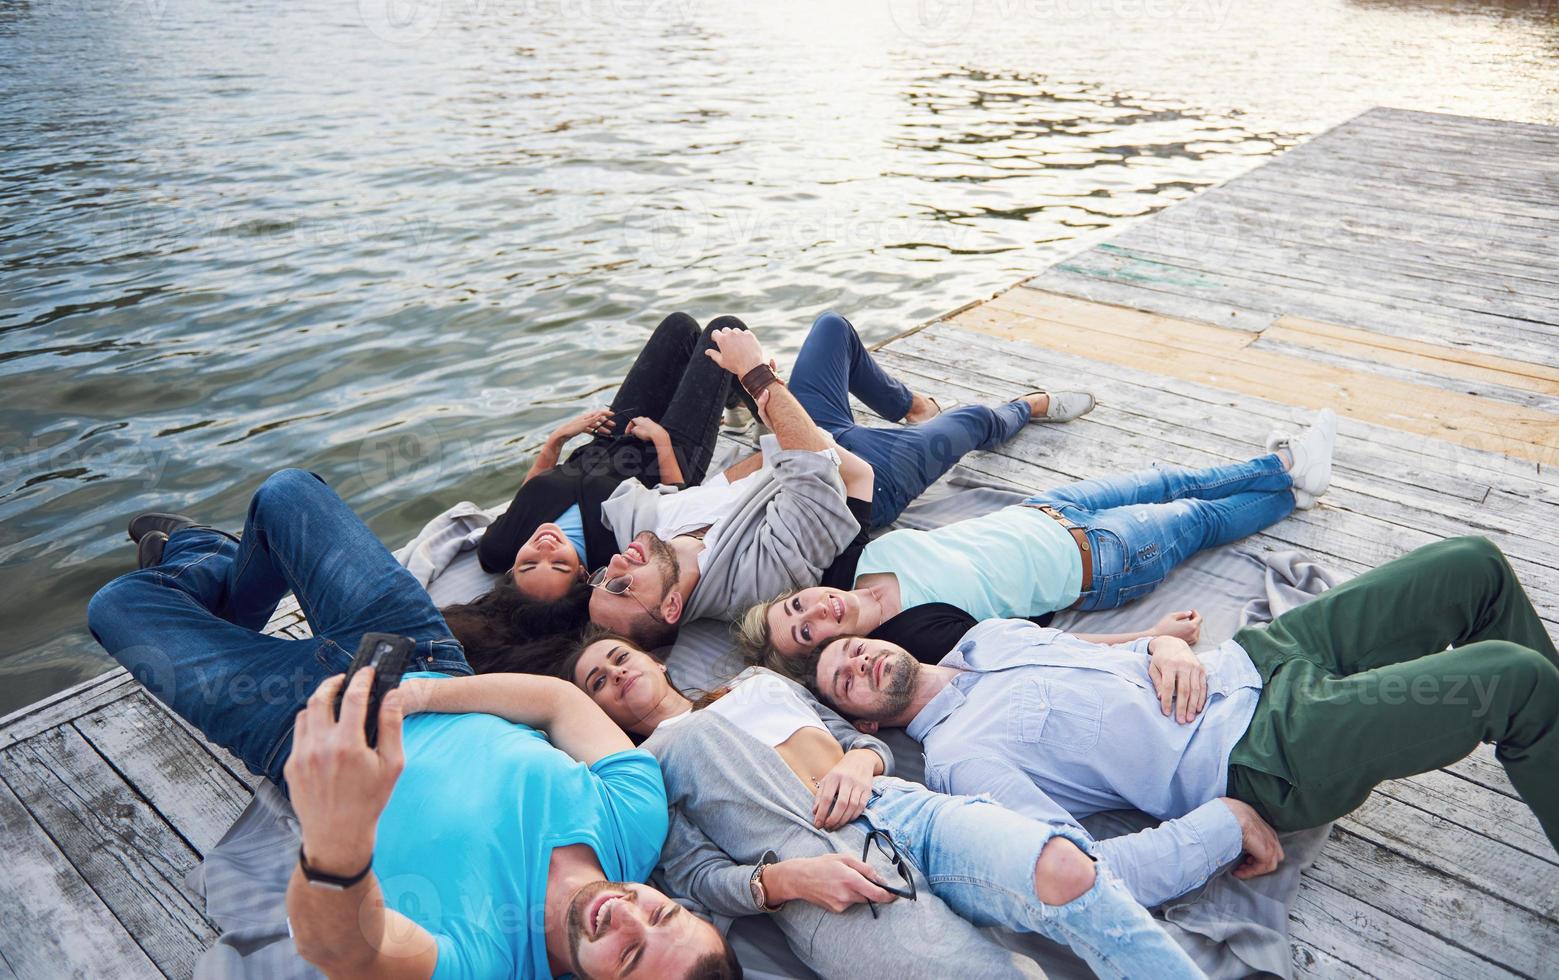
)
(665, 560)
(576, 920)
(900, 687)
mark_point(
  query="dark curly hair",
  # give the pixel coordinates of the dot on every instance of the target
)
(504, 631)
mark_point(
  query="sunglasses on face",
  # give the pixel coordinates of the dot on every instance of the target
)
(618, 585)
(880, 842)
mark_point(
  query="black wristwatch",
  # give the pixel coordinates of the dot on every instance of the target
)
(333, 882)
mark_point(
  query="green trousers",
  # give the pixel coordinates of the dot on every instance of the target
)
(1361, 688)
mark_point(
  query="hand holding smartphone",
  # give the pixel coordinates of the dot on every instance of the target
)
(388, 655)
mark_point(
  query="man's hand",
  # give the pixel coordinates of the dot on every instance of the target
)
(831, 881)
(1178, 677)
(596, 421)
(843, 793)
(339, 785)
(738, 351)
(1186, 625)
(646, 429)
(1263, 851)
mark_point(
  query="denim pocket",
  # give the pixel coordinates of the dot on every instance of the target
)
(332, 656)
(1070, 722)
(1133, 592)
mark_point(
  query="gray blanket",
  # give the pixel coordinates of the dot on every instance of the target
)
(1231, 928)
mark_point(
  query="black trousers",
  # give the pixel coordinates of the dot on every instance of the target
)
(674, 383)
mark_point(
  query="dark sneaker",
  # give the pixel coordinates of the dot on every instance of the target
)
(148, 550)
(143, 524)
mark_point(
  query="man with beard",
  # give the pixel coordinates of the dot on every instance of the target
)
(457, 846)
(701, 552)
(1299, 719)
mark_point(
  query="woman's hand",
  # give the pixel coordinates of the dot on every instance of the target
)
(596, 421)
(1186, 625)
(831, 881)
(645, 429)
(1178, 678)
(843, 793)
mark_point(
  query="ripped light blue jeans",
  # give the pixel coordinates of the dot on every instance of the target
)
(979, 858)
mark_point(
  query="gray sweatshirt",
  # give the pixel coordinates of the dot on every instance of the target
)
(733, 798)
(788, 526)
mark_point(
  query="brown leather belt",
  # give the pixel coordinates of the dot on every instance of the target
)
(1080, 535)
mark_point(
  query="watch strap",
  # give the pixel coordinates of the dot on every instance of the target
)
(759, 378)
(759, 895)
(317, 877)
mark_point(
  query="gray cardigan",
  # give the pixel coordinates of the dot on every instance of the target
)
(733, 798)
(786, 528)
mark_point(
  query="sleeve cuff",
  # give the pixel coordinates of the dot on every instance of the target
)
(1217, 831)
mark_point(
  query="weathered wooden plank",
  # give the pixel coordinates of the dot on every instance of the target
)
(1446, 415)
(1480, 862)
(54, 924)
(1342, 274)
(1483, 768)
(1376, 943)
(1322, 300)
(167, 765)
(1364, 478)
(1486, 925)
(1017, 363)
(1478, 809)
(133, 859)
(1394, 244)
(73, 702)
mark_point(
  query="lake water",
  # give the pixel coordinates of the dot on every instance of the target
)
(396, 241)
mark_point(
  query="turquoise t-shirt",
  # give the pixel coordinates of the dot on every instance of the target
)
(1012, 563)
(573, 525)
(464, 843)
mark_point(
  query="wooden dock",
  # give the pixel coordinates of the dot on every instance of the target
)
(1400, 268)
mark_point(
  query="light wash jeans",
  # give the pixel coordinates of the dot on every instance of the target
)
(189, 629)
(1142, 524)
(979, 858)
(834, 364)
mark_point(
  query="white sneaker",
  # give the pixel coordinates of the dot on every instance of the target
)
(1312, 455)
(737, 419)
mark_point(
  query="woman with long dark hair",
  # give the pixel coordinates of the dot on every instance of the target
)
(660, 429)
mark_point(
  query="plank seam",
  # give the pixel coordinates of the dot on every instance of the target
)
(140, 795)
(65, 856)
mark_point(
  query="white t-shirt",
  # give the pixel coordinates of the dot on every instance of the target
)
(764, 707)
(705, 505)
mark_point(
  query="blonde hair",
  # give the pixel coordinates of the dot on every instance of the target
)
(755, 642)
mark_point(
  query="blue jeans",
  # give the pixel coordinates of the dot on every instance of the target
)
(1141, 525)
(979, 858)
(189, 628)
(834, 364)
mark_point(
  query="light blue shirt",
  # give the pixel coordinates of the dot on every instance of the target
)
(465, 841)
(1010, 563)
(1058, 728)
(573, 526)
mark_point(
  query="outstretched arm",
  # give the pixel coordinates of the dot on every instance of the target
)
(339, 787)
(1186, 625)
(573, 722)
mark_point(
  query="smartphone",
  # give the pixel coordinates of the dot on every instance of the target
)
(387, 654)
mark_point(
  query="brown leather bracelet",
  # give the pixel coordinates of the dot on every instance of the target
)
(759, 378)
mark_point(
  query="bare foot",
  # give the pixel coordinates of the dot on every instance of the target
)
(921, 409)
(1039, 404)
